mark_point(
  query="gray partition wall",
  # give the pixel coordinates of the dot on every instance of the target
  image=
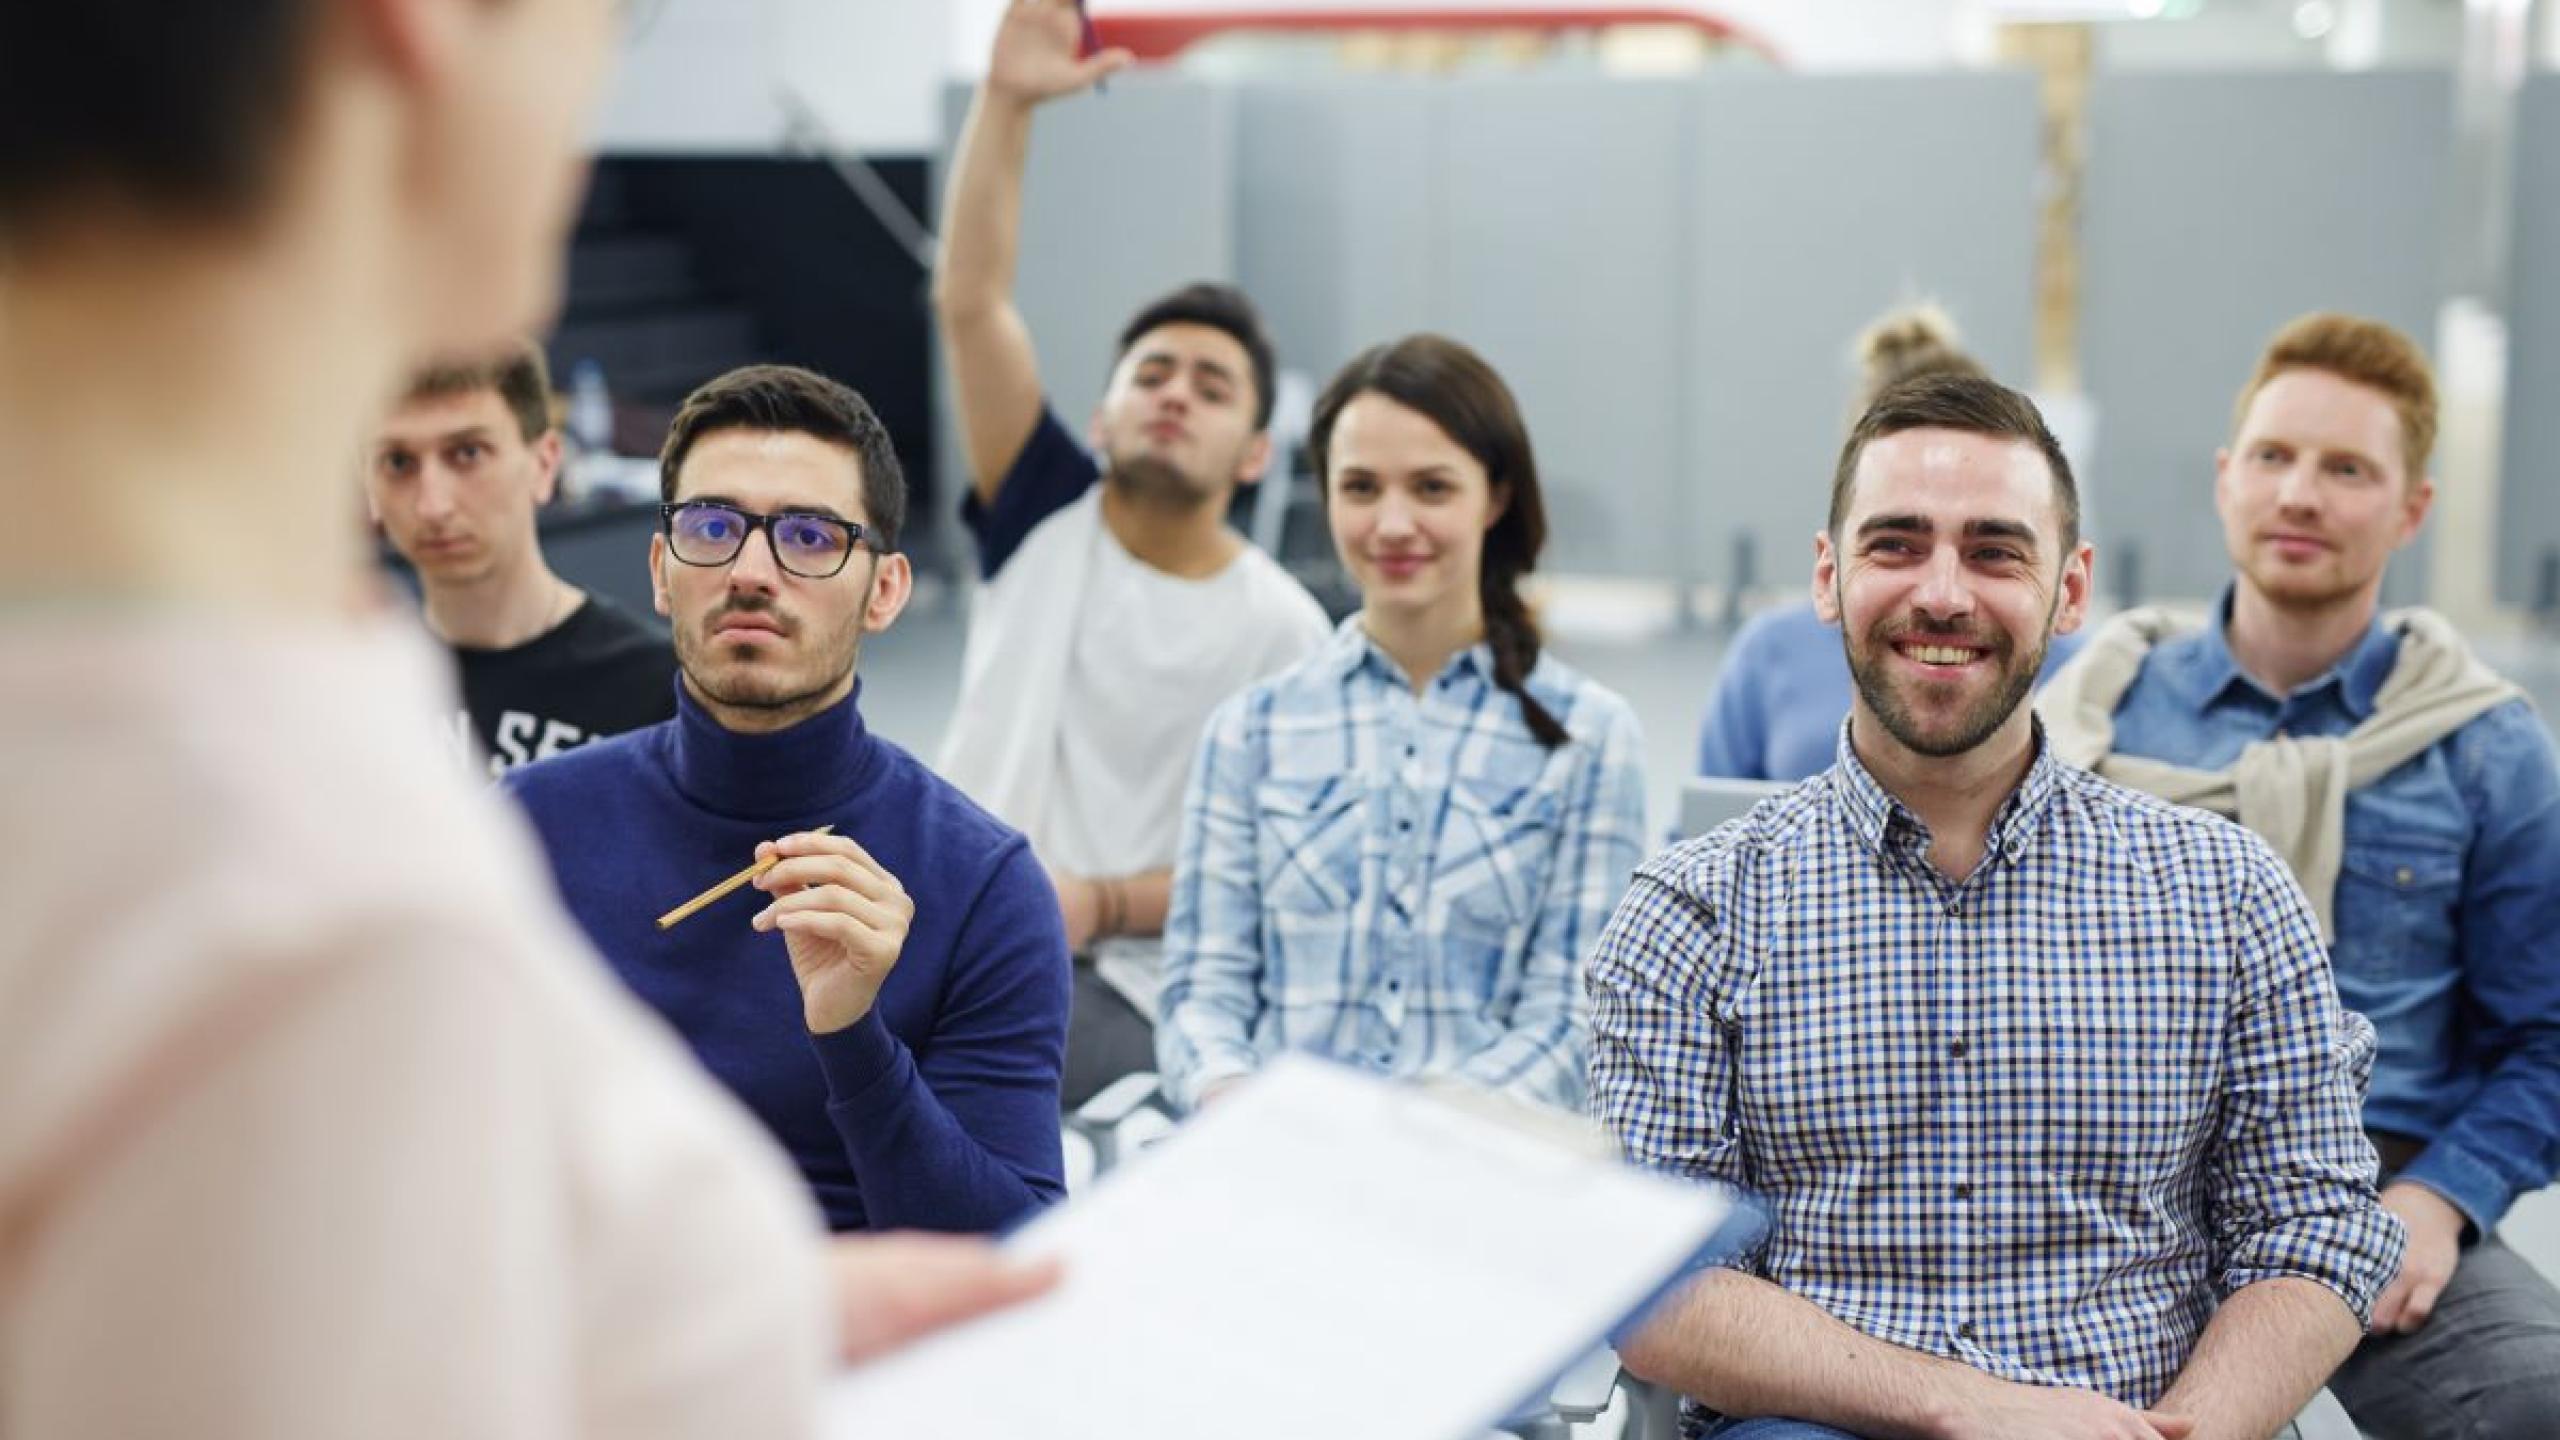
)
(1565, 261)
(1539, 221)
(2218, 207)
(1669, 273)
(2529, 485)
(1819, 202)
(1337, 198)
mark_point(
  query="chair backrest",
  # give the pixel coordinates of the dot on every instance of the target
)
(1708, 801)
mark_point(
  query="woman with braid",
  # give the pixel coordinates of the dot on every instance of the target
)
(1395, 853)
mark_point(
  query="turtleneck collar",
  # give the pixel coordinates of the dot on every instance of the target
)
(789, 774)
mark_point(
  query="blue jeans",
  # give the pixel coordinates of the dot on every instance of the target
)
(2485, 1366)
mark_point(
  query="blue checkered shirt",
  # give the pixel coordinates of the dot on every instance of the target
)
(1404, 882)
(2040, 1121)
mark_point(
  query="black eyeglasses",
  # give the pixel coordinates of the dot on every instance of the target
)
(813, 547)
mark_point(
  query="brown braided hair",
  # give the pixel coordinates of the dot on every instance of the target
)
(1455, 389)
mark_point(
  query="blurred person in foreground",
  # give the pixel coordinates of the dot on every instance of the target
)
(319, 1119)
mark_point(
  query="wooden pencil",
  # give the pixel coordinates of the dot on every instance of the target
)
(726, 887)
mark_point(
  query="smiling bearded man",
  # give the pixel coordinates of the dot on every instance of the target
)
(2043, 1081)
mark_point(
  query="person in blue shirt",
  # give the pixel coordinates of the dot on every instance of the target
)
(1783, 688)
(889, 999)
(1396, 852)
(2416, 794)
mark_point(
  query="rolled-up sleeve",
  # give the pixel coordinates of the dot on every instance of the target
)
(2293, 1176)
(2505, 1140)
(1662, 1071)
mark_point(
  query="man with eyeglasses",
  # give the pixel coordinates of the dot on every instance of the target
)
(455, 477)
(890, 998)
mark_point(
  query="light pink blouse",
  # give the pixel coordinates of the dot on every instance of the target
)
(317, 1118)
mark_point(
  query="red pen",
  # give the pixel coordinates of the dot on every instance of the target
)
(1092, 42)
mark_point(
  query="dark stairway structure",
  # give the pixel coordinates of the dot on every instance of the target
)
(682, 268)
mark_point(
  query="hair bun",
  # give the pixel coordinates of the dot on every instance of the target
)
(1910, 342)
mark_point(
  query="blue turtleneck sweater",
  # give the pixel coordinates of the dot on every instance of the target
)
(939, 1109)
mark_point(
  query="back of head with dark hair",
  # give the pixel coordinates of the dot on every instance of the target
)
(1456, 390)
(1967, 403)
(1220, 307)
(178, 106)
(789, 399)
(519, 374)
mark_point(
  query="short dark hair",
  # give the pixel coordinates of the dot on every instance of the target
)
(1220, 307)
(517, 373)
(792, 400)
(180, 106)
(1973, 404)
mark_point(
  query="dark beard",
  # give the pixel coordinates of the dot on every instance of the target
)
(1155, 483)
(1973, 727)
(702, 664)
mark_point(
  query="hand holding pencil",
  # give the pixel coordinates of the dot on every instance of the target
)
(842, 915)
(1040, 52)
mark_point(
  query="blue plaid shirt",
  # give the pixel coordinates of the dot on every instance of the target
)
(1403, 882)
(2040, 1121)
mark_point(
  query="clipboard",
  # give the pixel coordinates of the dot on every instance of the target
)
(1322, 1252)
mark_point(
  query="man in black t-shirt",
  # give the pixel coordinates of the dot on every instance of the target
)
(454, 477)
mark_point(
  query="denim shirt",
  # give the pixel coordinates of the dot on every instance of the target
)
(2447, 907)
(1403, 882)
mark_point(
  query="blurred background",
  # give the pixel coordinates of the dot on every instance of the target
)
(1664, 223)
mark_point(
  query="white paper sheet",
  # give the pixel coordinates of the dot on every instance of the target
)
(1322, 1254)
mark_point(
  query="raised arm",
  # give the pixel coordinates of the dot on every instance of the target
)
(995, 374)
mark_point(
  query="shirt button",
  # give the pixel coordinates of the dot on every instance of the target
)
(1956, 1048)
(1955, 909)
(1404, 825)
(1965, 1331)
(1394, 985)
(2404, 875)
(1964, 1192)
